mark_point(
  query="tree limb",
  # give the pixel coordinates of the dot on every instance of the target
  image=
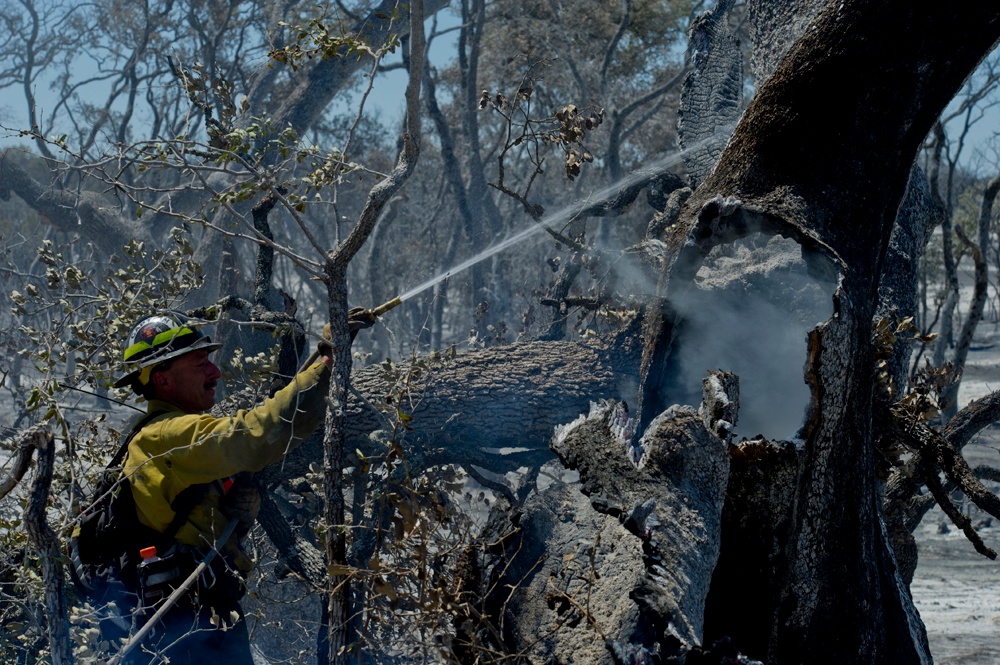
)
(84, 213)
(26, 449)
(953, 513)
(45, 542)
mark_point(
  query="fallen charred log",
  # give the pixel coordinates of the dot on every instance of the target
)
(624, 575)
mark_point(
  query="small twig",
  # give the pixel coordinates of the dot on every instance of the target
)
(584, 612)
(577, 301)
(66, 386)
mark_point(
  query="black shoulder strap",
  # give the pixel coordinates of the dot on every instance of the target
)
(182, 506)
(123, 448)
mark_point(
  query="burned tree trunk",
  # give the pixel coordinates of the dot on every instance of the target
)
(622, 577)
(467, 408)
(837, 594)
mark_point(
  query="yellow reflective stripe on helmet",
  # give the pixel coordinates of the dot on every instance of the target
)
(159, 340)
(168, 335)
(134, 349)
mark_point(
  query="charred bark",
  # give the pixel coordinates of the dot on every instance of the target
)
(22, 462)
(774, 27)
(495, 408)
(756, 521)
(623, 578)
(840, 196)
(713, 92)
(915, 222)
(45, 542)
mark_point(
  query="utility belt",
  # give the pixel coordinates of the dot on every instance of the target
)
(165, 568)
(160, 574)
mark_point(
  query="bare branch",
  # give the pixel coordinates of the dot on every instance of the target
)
(46, 544)
(609, 52)
(954, 514)
(25, 451)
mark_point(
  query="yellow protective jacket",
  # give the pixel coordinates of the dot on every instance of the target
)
(178, 450)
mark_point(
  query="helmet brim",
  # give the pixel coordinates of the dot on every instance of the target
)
(202, 344)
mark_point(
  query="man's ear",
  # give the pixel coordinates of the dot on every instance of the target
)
(160, 379)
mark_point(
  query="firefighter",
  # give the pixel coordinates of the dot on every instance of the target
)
(187, 473)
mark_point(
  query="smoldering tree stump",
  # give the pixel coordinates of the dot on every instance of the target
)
(626, 573)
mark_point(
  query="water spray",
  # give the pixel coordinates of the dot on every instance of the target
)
(562, 215)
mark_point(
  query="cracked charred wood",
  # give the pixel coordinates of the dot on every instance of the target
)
(712, 96)
(625, 574)
(774, 27)
(555, 576)
(668, 214)
(777, 175)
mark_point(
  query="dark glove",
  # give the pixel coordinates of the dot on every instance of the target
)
(242, 503)
(358, 318)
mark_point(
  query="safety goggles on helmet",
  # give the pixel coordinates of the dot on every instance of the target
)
(156, 339)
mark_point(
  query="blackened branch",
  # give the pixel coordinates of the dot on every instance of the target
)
(930, 477)
(937, 452)
(46, 544)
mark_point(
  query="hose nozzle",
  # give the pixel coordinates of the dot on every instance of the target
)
(385, 307)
